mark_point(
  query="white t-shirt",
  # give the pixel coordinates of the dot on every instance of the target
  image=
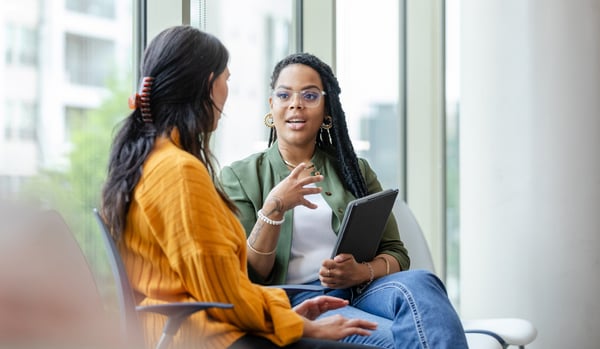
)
(312, 240)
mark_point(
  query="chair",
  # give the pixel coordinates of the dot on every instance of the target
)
(481, 333)
(176, 313)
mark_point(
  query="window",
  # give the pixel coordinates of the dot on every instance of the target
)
(100, 8)
(452, 152)
(368, 69)
(21, 45)
(20, 121)
(75, 121)
(87, 59)
(264, 38)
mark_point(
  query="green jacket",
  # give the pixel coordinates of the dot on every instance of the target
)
(248, 182)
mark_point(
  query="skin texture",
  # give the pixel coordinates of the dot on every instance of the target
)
(220, 92)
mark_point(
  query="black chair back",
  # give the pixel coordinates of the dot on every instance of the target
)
(125, 295)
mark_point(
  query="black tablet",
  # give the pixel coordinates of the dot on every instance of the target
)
(363, 223)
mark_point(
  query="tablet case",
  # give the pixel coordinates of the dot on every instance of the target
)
(363, 223)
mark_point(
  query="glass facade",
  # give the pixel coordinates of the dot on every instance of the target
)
(255, 48)
(369, 76)
(100, 8)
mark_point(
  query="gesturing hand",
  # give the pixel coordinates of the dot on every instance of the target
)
(291, 192)
(313, 307)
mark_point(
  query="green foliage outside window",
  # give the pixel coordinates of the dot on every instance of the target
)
(76, 191)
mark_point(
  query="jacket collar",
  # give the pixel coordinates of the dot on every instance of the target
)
(274, 157)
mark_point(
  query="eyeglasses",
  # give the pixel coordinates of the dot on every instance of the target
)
(310, 98)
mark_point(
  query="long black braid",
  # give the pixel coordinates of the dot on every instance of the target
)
(339, 145)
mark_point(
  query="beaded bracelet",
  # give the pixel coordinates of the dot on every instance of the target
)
(362, 287)
(269, 220)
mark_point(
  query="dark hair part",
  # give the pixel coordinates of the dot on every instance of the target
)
(180, 59)
(340, 146)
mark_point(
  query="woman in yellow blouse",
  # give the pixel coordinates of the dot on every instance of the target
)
(177, 232)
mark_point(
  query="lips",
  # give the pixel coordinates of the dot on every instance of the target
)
(295, 120)
(295, 123)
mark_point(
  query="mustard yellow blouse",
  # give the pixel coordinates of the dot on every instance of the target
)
(182, 243)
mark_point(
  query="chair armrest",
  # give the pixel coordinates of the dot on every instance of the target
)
(177, 312)
(483, 341)
(513, 331)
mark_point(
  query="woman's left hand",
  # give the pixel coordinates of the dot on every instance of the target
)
(342, 272)
(313, 307)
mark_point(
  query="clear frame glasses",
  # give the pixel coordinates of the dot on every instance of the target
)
(309, 98)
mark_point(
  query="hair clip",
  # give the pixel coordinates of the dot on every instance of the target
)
(142, 99)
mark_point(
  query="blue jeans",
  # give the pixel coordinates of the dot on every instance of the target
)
(411, 308)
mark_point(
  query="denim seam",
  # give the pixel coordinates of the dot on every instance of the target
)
(411, 303)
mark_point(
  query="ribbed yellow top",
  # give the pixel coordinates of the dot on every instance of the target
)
(182, 243)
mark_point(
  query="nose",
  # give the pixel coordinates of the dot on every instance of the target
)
(296, 100)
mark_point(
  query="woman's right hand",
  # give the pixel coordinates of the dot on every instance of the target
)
(336, 327)
(291, 192)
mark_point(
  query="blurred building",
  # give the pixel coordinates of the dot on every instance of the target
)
(57, 57)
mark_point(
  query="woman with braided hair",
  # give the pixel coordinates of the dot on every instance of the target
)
(178, 232)
(308, 132)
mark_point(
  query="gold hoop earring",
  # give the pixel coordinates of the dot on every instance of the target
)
(269, 120)
(327, 122)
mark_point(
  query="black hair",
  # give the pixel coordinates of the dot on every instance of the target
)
(339, 144)
(180, 60)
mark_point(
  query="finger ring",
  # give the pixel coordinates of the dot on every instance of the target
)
(328, 272)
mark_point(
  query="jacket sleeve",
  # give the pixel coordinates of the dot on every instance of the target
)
(205, 245)
(232, 185)
(390, 242)
(246, 195)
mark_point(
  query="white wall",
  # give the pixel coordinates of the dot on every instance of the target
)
(530, 166)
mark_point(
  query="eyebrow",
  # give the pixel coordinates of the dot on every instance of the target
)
(283, 87)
